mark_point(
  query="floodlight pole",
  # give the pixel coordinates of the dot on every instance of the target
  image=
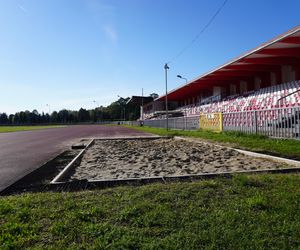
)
(166, 67)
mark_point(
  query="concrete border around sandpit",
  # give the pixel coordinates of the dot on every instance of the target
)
(197, 176)
(249, 153)
(70, 166)
(133, 138)
(115, 182)
(84, 184)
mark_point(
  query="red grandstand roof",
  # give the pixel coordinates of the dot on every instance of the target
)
(281, 50)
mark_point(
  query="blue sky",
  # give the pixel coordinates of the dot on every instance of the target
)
(67, 53)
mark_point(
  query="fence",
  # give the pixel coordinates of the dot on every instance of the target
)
(130, 123)
(280, 122)
(185, 123)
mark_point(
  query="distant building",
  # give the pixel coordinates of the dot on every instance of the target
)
(140, 101)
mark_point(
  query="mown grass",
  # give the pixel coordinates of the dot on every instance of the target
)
(257, 143)
(245, 212)
(5, 129)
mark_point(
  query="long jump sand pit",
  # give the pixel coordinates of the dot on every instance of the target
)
(124, 159)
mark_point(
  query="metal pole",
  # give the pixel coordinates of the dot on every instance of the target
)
(48, 108)
(142, 104)
(166, 67)
(255, 122)
(185, 119)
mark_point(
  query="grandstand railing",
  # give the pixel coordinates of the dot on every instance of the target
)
(183, 123)
(278, 122)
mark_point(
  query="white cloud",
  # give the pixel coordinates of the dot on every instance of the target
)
(103, 16)
(111, 33)
(22, 8)
(98, 7)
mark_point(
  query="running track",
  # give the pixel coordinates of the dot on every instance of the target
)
(23, 152)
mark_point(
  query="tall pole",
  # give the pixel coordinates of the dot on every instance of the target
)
(185, 112)
(48, 108)
(142, 109)
(166, 67)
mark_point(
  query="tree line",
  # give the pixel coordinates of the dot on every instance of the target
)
(117, 110)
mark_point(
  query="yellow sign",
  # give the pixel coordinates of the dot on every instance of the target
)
(211, 121)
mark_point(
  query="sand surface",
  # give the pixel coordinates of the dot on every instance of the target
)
(121, 159)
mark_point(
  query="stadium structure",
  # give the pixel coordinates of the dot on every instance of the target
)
(257, 92)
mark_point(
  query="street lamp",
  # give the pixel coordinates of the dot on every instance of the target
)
(166, 67)
(179, 76)
(96, 104)
(48, 108)
(95, 110)
(123, 108)
(142, 109)
(185, 111)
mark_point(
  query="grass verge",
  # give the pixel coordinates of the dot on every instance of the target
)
(5, 129)
(245, 212)
(258, 143)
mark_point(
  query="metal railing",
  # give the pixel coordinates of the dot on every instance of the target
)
(130, 123)
(184, 123)
(279, 122)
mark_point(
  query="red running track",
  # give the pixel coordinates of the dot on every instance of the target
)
(23, 152)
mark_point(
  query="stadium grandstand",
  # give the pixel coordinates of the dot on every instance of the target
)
(258, 91)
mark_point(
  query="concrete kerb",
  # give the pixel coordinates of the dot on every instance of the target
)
(70, 166)
(89, 184)
(165, 179)
(134, 138)
(173, 178)
(249, 153)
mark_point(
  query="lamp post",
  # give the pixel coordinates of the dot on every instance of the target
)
(185, 111)
(95, 111)
(96, 104)
(124, 114)
(142, 109)
(166, 67)
(179, 76)
(48, 108)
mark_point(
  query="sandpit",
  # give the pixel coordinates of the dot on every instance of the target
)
(123, 159)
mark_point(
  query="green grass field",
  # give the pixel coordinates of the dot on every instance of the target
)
(245, 212)
(257, 143)
(5, 129)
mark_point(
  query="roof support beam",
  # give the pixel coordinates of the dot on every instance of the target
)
(252, 67)
(233, 73)
(224, 77)
(293, 52)
(291, 40)
(271, 60)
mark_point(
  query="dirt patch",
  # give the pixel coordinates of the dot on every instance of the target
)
(121, 159)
